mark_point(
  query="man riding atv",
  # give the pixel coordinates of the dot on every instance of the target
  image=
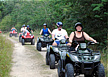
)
(45, 30)
(29, 29)
(23, 29)
(59, 34)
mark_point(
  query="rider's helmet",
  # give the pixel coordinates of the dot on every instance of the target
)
(23, 25)
(78, 24)
(45, 24)
(59, 24)
(27, 26)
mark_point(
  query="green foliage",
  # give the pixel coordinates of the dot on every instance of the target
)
(91, 13)
(5, 57)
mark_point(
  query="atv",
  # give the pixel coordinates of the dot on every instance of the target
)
(0, 31)
(20, 37)
(27, 37)
(82, 61)
(44, 41)
(13, 33)
(54, 52)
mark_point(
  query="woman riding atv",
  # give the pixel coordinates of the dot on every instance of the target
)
(13, 28)
(79, 36)
(45, 30)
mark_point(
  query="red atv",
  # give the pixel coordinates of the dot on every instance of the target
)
(27, 37)
(0, 31)
(13, 33)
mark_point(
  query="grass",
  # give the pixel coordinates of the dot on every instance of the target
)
(5, 56)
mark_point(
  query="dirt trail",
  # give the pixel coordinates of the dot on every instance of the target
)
(28, 62)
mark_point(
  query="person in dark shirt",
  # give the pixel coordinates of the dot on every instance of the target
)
(29, 29)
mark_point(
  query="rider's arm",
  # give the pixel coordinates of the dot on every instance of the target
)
(87, 37)
(71, 37)
(49, 31)
(53, 36)
(15, 29)
(31, 31)
(21, 29)
(66, 35)
(41, 32)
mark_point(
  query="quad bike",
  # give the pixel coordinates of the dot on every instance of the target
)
(27, 37)
(20, 37)
(13, 33)
(0, 31)
(83, 61)
(44, 41)
(54, 52)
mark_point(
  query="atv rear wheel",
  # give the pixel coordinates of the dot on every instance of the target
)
(47, 58)
(23, 42)
(69, 70)
(60, 73)
(33, 42)
(39, 46)
(100, 71)
(52, 61)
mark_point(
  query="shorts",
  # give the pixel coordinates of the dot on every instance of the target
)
(58, 42)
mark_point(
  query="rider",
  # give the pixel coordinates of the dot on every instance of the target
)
(79, 35)
(23, 29)
(59, 34)
(29, 29)
(45, 30)
(13, 28)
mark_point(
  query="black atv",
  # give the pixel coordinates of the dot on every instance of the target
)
(83, 61)
(44, 41)
(54, 52)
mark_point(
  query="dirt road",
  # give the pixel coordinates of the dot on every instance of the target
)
(28, 62)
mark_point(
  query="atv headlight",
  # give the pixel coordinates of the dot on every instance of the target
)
(42, 39)
(74, 58)
(97, 58)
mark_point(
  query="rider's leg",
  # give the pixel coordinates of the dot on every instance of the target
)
(56, 43)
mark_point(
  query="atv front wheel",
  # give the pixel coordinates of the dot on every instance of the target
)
(52, 61)
(23, 41)
(100, 71)
(15, 35)
(39, 46)
(10, 35)
(47, 58)
(69, 70)
(60, 73)
(88, 76)
(33, 42)
(20, 39)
